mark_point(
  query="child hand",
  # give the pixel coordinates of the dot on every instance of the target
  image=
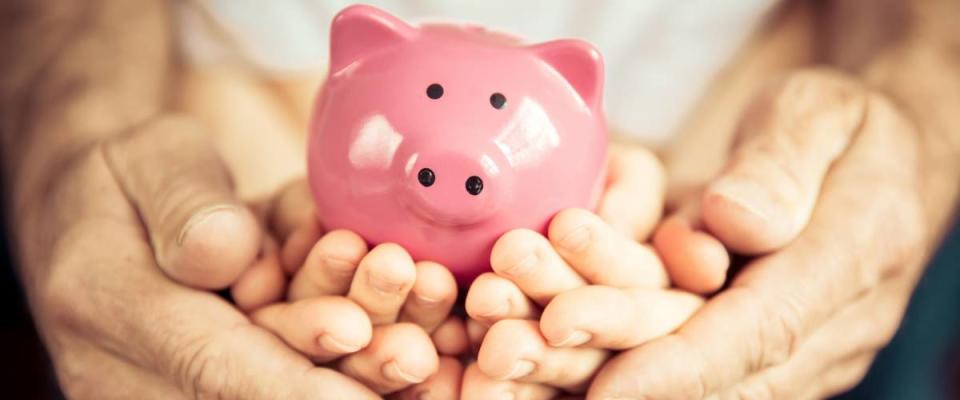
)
(371, 310)
(598, 288)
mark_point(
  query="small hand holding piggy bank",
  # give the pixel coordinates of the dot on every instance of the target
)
(441, 138)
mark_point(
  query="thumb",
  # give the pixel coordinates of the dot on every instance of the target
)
(201, 234)
(789, 138)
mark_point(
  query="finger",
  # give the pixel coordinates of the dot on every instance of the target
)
(475, 333)
(399, 355)
(694, 260)
(443, 385)
(632, 202)
(296, 248)
(192, 339)
(451, 337)
(601, 255)
(431, 297)
(527, 259)
(89, 366)
(840, 378)
(515, 350)
(858, 331)
(492, 298)
(292, 220)
(291, 209)
(789, 138)
(323, 328)
(835, 379)
(851, 242)
(612, 318)
(382, 282)
(330, 267)
(477, 386)
(201, 234)
(263, 283)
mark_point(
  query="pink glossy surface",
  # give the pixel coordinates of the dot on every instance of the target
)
(375, 128)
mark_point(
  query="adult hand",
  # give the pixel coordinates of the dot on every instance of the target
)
(828, 170)
(115, 324)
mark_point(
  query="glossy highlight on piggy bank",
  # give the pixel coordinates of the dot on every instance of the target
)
(443, 137)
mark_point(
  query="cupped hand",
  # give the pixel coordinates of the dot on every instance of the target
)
(100, 249)
(379, 314)
(823, 184)
(556, 305)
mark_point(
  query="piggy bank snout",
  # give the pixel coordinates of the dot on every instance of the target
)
(451, 189)
(473, 184)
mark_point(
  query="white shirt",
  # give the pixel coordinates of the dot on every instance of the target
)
(660, 54)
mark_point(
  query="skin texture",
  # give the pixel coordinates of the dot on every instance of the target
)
(112, 198)
(71, 184)
(812, 313)
(588, 251)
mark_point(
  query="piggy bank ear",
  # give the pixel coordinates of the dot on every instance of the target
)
(360, 30)
(579, 63)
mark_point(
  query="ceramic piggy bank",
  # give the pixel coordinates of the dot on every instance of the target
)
(441, 138)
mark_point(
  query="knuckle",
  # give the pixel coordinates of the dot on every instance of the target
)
(883, 332)
(758, 388)
(75, 379)
(817, 89)
(80, 387)
(881, 326)
(59, 303)
(777, 327)
(779, 334)
(842, 378)
(202, 372)
(816, 100)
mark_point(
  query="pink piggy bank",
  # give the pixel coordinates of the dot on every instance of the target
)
(441, 138)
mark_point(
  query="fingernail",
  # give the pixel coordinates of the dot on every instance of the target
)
(393, 372)
(427, 301)
(199, 218)
(330, 343)
(574, 339)
(501, 310)
(339, 266)
(384, 286)
(525, 264)
(744, 193)
(521, 369)
(576, 241)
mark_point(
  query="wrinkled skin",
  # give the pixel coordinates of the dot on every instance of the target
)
(792, 327)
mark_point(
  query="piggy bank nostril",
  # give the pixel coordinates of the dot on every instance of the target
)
(426, 177)
(474, 185)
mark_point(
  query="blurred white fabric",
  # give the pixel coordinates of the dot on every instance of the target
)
(660, 54)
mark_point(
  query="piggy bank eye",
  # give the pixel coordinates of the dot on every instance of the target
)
(498, 100)
(474, 185)
(435, 91)
(426, 177)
